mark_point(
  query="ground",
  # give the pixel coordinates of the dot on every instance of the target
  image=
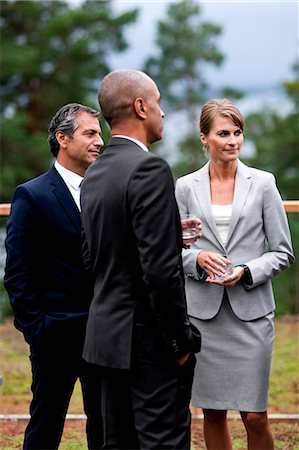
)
(15, 393)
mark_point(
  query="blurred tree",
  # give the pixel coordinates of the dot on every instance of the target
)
(292, 87)
(52, 54)
(276, 138)
(186, 45)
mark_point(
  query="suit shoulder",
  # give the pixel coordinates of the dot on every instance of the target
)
(187, 179)
(140, 158)
(35, 183)
(261, 174)
(151, 161)
(150, 168)
(35, 190)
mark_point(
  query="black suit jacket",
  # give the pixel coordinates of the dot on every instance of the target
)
(44, 275)
(132, 247)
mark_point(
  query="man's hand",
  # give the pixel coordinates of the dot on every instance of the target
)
(183, 359)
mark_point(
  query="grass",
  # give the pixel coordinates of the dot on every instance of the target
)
(15, 392)
(284, 388)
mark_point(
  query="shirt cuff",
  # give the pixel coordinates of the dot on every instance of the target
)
(247, 278)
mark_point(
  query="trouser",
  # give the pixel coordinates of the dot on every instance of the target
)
(54, 374)
(147, 407)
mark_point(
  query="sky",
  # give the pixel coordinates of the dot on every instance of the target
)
(260, 39)
(260, 42)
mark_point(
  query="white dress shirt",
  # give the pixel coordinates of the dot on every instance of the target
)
(72, 180)
(222, 215)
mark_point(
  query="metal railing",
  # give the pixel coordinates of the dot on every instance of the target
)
(291, 206)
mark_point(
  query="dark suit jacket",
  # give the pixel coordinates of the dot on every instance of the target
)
(132, 246)
(44, 275)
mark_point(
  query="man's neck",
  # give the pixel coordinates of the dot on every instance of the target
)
(71, 167)
(141, 144)
(131, 130)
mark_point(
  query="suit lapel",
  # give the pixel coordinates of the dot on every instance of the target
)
(242, 185)
(203, 194)
(64, 197)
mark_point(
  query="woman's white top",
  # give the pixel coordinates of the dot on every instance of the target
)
(222, 215)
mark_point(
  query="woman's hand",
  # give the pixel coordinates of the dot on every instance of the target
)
(230, 280)
(195, 224)
(212, 263)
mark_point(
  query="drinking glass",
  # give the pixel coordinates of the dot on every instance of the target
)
(190, 228)
(228, 271)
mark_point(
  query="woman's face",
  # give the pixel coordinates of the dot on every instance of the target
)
(224, 140)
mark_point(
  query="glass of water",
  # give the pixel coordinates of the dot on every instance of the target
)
(190, 228)
(228, 271)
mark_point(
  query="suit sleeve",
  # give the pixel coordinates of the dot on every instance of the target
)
(157, 229)
(85, 252)
(20, 274)
(189, 255)
(279, 253)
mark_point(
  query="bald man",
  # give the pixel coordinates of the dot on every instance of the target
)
(138, 330)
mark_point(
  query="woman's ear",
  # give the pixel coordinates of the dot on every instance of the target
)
(203, 138)
(140, 107)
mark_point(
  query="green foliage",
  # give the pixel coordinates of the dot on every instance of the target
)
(286, 284)
(276, 138)
(292, 87)
(192, 155)
(23, 155)
(284, 373)
(52, 54)
(5, 308)
(185, 45)
(231, 93)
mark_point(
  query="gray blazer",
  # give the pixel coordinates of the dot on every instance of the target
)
(258, 236)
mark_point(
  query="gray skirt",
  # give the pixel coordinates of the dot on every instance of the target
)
(233, 367)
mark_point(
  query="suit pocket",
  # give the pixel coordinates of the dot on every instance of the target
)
(149, 345)
(196, 338)
(34, 336)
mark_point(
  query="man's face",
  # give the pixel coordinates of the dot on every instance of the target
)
(155, 116)
(79, 151)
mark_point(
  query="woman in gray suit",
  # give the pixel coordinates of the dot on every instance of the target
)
(243, 223)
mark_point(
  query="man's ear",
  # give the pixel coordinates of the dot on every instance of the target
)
(62, 139)
(140, 107)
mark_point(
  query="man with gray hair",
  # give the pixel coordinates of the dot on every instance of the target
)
(49, 290)
(138, 330)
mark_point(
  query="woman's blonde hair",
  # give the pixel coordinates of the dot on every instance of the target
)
(219, 107)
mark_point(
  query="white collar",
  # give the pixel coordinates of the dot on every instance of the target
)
(133, 140)
(68, 176)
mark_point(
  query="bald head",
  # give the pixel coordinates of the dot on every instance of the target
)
(118, 91)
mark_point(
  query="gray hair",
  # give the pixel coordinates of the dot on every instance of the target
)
(65, 120)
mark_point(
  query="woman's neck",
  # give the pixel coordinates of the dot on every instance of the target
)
(223, 172)
(222, 182)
